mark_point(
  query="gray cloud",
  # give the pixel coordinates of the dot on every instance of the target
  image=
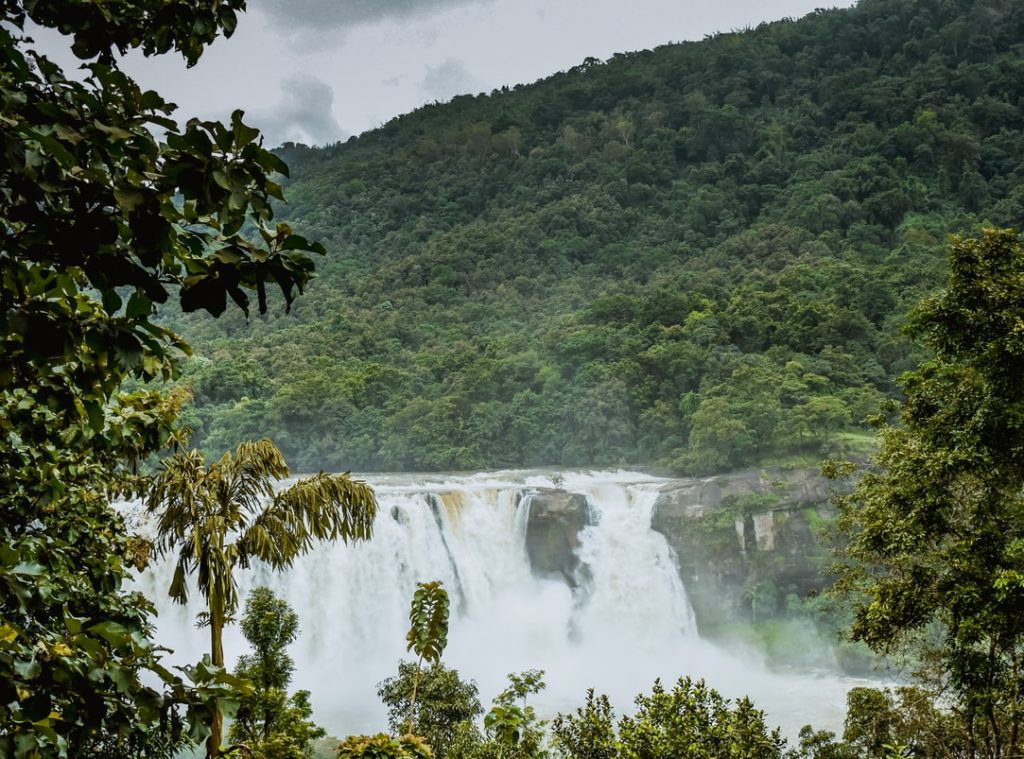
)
(302, 115)
(317, 15)
(448, 79)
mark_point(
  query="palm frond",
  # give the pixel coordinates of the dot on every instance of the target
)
(179, 584)
(173, 495)
(274, 537)
(322, 507)
(214, 571)
(331, 506)
(202, 506)
(250, 475)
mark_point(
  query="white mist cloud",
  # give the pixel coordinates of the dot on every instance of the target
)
(448, 79)
(302, 115)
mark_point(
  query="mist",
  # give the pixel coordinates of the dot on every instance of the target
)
(628, 624)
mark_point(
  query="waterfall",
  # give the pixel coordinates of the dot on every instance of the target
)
(628, 623)
(634, 590)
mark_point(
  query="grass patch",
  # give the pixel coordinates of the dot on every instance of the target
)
(859, 442)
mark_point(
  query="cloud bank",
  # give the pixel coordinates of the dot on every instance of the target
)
(317, 15)
(304, 113)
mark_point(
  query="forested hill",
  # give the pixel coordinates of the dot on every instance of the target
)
(699, 255)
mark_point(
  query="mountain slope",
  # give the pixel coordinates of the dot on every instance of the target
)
(699, 255)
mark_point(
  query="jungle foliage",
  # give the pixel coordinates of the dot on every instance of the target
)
(700, 255)
(99, 222)
(446, 706)
(690, 719)
(936, 524)
(270, 723)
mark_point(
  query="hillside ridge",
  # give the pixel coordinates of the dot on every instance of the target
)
(699, 256)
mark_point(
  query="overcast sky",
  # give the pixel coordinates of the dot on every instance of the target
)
(317, 71)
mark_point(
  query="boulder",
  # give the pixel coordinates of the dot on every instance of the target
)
(697, 497)
(735, 536)
(552, 533)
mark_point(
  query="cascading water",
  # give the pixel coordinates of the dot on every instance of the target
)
(628, 623)
(634, 591)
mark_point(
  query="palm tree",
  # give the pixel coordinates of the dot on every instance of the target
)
(224, 515)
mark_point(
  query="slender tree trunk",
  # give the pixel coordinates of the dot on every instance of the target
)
(972, 743)
(412, 701)
(213, 743)
(997, 738)
(989, 752)
(268, 718)
(1015, 706)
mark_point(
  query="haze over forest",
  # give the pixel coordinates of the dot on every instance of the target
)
(699, 256)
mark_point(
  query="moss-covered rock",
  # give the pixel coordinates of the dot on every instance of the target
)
(746, 541)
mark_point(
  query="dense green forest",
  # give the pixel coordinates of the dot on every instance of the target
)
(700, 255)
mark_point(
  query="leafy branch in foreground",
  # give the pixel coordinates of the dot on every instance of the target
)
(936, 525)
(99, 223)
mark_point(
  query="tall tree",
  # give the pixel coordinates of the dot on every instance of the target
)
(937, 524)
(100, 223)
(221, 516)
(270, 723)
(446, 705)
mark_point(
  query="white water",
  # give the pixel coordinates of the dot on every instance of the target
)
(629, 624)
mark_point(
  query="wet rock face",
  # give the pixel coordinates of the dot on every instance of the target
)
(552, 533)
(743, 541)
(746, 533)
(694, 498)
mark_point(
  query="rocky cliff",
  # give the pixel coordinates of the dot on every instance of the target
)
(745, 541)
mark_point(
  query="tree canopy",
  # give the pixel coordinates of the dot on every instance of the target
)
(700, 255)
(690, 720)
(101, 221)
(936, 525)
